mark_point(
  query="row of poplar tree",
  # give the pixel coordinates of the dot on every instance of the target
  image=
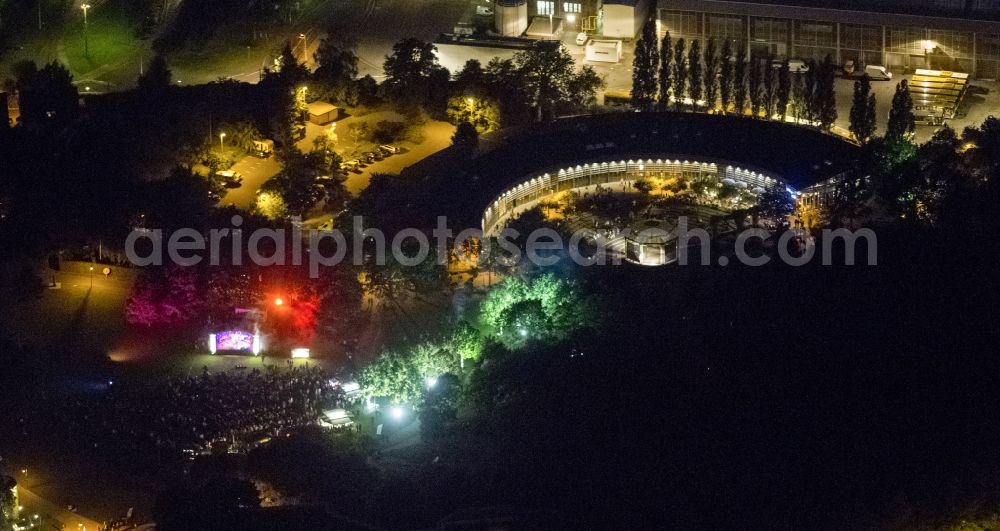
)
(666, 73)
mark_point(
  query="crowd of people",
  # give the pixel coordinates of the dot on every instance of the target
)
(212, 411)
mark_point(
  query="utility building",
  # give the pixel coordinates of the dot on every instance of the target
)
(611, 18)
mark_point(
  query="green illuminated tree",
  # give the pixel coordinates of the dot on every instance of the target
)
(546, 308)
(402, 376)
(466, 341)
(523, 322)
(432, 360)
(393, 376)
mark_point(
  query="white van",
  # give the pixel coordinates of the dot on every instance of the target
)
(878, 73)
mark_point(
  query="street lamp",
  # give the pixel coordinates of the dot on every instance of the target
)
(86, 40)
(222, 143)
(302, 37)
(91, 276)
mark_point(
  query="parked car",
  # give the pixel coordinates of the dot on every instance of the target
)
(849, 67)
(390, 149)
(581, 38)
(795, 66)
(351, 165)
(875, 72)
(263, 148)
(878, 72)
(230, 178)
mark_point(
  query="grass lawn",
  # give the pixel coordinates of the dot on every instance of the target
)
(112, 47)
(115, 51)
(77, 316)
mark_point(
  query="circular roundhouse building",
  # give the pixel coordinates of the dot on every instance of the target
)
(580, 152)
(519, 168)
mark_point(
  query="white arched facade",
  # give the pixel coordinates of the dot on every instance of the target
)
(584, 175)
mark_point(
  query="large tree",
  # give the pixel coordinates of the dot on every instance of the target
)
(503, 81)
(711, 75)
(466, 138)
(644, 64)
(471, 79)
(291, 72)
(694, 74)
(680, 74)
(480, 111)
(798, 97)
(809, 91)
(863, 110)
(826, 96)
(740, 79)
(157, 77)
(337, 66)
(547, 308)
(666, 71)
(784, 91)
(770, 87)
(410, 70)
(901, 122)
(47, 95)
(552, 84)
(299, 183)
(755, 85)
(726, 75)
